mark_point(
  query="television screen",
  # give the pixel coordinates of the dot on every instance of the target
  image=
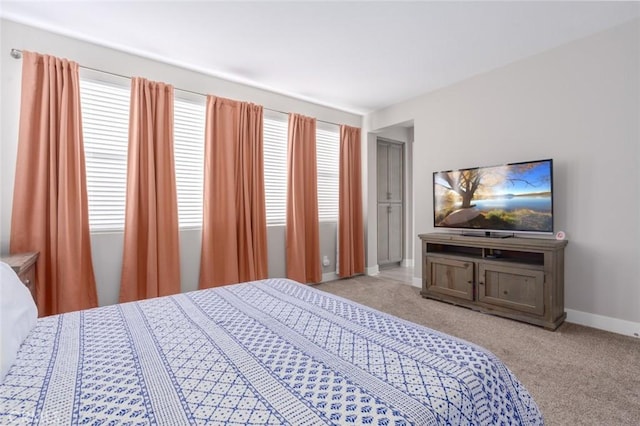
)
(511, 197)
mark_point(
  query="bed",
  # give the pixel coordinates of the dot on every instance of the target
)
(267, 352)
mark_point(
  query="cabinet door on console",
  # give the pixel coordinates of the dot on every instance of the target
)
(516, 288)
(449, 277)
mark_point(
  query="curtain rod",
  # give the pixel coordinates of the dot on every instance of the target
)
(17, 54)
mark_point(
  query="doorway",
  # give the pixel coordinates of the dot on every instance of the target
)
(390, 172)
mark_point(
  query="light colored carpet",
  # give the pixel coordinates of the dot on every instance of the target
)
(577, 375)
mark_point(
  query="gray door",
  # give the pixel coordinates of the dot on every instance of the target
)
(390, 203)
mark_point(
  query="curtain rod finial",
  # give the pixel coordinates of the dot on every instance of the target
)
(15, 53)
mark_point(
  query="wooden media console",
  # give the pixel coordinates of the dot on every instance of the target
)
(517, 278)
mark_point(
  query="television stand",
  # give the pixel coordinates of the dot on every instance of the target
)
(517, 278)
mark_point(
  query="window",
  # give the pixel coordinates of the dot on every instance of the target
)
(105, 122)
(276, 129)
(105, 125)
(188, 148)
(328, 159)
(275, 133)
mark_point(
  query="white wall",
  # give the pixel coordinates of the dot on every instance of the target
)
(107, 247)
(578, 104)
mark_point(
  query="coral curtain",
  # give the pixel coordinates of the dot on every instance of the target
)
(303, 242)
(350, 222)
(234, 226)
(50, 211)
(151, 260)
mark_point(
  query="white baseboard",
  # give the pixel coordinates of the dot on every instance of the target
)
(416, 282)
(407, 263)
(601, 322)
(329, 276)
(373, 270)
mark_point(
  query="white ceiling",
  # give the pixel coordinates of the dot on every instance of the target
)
(354, 56)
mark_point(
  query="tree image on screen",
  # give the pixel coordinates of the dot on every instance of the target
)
(464, 183)
(511, 197)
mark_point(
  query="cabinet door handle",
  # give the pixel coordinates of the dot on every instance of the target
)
(505, 292)
(481, 283)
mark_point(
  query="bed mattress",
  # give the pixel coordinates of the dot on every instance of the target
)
(267, 352)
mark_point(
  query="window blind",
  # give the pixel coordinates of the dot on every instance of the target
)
(105, 122)
(188, 148)
(105, 125)
(275, 131)
(328, 159)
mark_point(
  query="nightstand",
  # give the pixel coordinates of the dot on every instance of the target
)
(24, 264)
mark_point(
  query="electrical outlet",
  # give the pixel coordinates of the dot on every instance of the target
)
(326, 261)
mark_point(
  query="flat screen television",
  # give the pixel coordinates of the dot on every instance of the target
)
(515, 197)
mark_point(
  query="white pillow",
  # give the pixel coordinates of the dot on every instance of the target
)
(18, 315)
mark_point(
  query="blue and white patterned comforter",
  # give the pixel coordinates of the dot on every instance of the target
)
(263, 353)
